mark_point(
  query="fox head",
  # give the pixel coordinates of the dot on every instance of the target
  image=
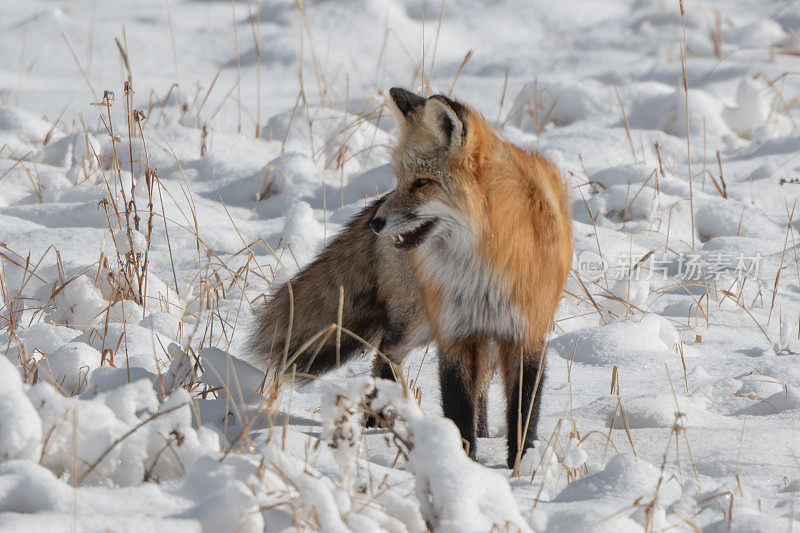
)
(433, 167)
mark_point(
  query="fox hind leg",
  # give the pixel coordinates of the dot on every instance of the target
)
(523, 377)
(394, 348)
(482, 422)
(381, 368)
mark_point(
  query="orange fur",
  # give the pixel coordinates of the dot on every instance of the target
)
(519, 204)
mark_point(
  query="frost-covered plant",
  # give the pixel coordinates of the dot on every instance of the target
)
(575, 459)
(131, 239)
(455, 493)
(342, 415)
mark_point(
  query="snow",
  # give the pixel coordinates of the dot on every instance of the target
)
(233, 376)
(623, 476)
(68, 367)
(456, 493)
(21, 427)
(634, 339)
(127, 402)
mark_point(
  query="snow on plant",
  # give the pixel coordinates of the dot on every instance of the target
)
(541, 460)
(130, 234)
(575, 458)
(120, 438)
(74, 302)
(324, 504)
(455, 493)
(343, 422)
(181, 372)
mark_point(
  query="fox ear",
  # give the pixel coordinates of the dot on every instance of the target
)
(405, 101)
(447, 118)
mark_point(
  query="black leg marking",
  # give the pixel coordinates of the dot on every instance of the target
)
(531, 392)
(387, 372)
(457, 401)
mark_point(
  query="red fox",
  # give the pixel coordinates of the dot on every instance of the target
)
(471, 250)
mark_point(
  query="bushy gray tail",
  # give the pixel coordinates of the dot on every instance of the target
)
(311, 301)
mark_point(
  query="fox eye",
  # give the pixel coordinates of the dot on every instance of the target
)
(420, 183)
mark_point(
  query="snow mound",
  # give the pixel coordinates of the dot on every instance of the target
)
(69, 367)
(47, 338)
(650, 411)
(228, 501)
(89, 428)
(20, 426)
(624, 477)
(26, 487)
(642, 340)
(714, 217)
(76, 304)
(236, 378)
(78, 153)
(562, 102)
(628, 175)
(666, 111)
(302, 231)
(590, 520)
(18, 127)
(751, 110)
(762, 32)
(332, 138)
(139, 346)
(778, 402)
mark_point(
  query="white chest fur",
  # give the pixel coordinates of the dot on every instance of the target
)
(473, 299)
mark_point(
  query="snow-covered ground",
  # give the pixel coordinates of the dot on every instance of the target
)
(673, 387)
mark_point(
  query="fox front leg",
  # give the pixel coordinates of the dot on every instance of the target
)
(461, 373)
(523, 377)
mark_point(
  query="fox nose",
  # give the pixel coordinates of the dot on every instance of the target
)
(377, 224)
